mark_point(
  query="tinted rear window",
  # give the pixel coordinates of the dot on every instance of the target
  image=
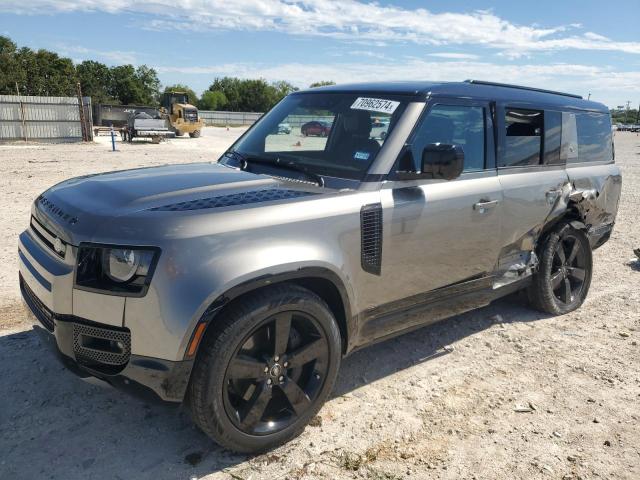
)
(523, 131)
(594, 137)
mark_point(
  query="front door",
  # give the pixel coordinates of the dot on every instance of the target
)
(439, 233)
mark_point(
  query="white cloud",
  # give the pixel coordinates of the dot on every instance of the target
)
(342, 19)
(454, 56)
(82, 53)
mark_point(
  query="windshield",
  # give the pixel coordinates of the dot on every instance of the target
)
(330, 134)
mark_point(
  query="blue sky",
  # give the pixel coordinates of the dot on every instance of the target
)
(578, 46)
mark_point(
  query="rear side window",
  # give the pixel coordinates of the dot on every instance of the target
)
(594, 137)
(455, 125)
(569, 147)
(523, 137)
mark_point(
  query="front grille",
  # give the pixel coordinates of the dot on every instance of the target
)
(48, 237)
(371, 238)
(39, 309)
(96, 346)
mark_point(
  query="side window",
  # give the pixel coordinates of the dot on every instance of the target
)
(569, 146)
(594, 137)
(456, 125)
(552, 137)
(523, 133)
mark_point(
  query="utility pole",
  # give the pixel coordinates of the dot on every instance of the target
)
(626, 115)
(24, 125)
(638, 115)
(83, 124)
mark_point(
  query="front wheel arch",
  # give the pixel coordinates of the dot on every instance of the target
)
(323, 282)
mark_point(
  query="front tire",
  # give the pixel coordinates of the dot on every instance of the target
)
(564, 274)
(265, 368)
(195, 134)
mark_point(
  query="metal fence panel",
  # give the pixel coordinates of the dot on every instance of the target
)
(218, 118)
(212, 117)
(37, 118)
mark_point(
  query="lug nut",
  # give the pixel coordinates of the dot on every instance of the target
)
(317, 376)
(281, 378)
(286, 364)
(266, 369)
(277, 358)
(269, 381)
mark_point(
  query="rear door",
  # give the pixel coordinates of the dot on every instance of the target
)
(531, 173)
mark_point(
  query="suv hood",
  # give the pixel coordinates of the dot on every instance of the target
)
(78, 202)
(127, 191)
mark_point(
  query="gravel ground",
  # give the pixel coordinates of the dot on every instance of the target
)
(499, 393)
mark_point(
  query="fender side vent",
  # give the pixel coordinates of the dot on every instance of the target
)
(371, 238)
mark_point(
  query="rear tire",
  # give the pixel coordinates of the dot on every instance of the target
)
(179, 133)
(564, 274)
(286, 330)
(195, 134)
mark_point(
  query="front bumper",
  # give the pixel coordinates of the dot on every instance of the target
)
(90, 349)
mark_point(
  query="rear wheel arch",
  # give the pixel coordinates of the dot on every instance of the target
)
(570, 216)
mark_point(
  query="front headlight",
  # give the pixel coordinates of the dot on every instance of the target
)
(120, 264)
(120, 270)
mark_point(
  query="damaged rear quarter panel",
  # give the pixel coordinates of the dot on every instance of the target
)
(595, 193)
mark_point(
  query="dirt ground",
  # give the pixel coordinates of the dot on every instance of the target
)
(500, 393)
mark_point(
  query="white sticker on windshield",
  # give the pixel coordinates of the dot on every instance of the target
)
(375, 105)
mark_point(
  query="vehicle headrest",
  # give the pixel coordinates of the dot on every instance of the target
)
(357, 122)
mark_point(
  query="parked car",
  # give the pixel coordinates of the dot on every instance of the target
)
(316, 129)
(240, 286)
(283, 128)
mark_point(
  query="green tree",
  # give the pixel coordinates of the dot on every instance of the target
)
(250, 95)
(282, 89)
(178, 87)
(212, 100)
(230, 88)
(45, 73)
(134, 86)
(95, 81)
(10, 73)
(256, 96)
(150, 84)
(322, 83)
(125, 86)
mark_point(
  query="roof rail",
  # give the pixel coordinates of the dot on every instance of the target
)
(507, 85)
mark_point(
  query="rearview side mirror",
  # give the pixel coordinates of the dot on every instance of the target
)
(441, 160)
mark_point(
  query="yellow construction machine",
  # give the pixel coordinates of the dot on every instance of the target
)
(181, 115)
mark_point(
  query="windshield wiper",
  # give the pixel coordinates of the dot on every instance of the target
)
(276, 162)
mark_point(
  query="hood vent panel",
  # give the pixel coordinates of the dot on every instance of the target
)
(242, 198)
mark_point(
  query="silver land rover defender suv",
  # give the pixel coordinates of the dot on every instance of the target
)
(238, 286)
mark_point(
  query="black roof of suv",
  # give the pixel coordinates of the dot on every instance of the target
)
(468, 88)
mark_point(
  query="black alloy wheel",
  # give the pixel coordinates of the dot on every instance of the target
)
(276, 373)
(264, 368)
(569, 269)
(564, 272)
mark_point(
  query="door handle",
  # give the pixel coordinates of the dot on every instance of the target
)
(484, 205)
